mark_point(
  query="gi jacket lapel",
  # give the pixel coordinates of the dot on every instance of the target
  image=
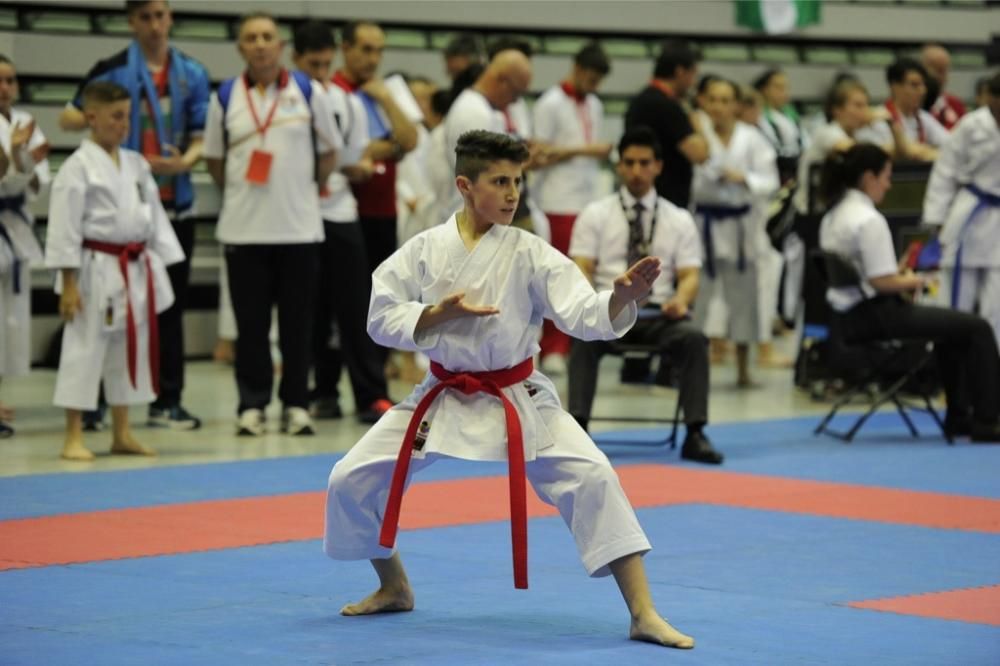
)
(471, 267)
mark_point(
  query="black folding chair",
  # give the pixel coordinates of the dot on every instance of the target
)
(646, 352)
(884, 363)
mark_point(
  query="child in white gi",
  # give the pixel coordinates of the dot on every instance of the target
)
(471, 294)
(111, 240)
(23, 173)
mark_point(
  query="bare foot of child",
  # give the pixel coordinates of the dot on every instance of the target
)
(382, 600)
(73, 449)
(130, 447)
(652, 628)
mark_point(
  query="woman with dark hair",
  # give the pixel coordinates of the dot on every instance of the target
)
(779, 121)
(853, 183)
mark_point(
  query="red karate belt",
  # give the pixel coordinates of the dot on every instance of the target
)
(470, 383)
(126, 253)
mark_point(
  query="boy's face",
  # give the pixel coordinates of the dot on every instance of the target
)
(638, 168)
(317, 64)
(8, 86)
(109, 122)
(494, 194)
(151, 24)
(259, 44)
(910, 92)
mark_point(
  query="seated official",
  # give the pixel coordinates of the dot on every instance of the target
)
(855, 182)
(612, 233)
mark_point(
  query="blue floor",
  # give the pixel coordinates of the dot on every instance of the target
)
(753, 587)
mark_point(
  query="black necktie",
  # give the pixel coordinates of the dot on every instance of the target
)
(636, 246)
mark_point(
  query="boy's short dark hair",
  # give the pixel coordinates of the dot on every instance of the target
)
(674, 54)
(313, 36)
(132, 6)
(897, 71)
(993, 85)
(593, 58)
(477, 149)
(640, 135)
(99, 93)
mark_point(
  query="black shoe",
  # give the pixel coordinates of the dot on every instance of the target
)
(375, 411)
(93, 421)
(985, 434)
(697, 448)
(175, 418)
(326, 408)
(583, 421)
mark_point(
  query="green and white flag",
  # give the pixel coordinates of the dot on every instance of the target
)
(776, 17)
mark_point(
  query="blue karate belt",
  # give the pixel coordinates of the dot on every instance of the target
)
(711, 214)
(14, 204)
(985, 200)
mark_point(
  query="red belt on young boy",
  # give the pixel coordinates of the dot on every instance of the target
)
(126, 253)
(469, 383)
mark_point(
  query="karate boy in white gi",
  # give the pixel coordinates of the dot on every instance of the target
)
(472, 294)
(111, 241)
(23, 173)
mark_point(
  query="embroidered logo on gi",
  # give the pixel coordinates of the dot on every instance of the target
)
(421, 437)
(531, 388)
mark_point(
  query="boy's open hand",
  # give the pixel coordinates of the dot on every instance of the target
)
(637, 281)
(451, 307)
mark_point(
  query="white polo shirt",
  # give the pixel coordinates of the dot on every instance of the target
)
(601, 233)
(921, 123)
(286, 208)
(339, 204)
(856, 230)
(561, 120)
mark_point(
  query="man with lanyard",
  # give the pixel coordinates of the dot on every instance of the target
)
(621, 228)
(391, 135)
(924, 135)
(945, 107)
(567, 119)
(270, 137)
(170, 92)
(963, 198)
(660, 107)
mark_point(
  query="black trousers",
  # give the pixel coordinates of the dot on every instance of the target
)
(964, 344)
(171, 322)
(679, 340)
(261, 276)
(345, 289)
(380, 242)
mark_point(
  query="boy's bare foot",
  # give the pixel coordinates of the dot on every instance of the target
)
(75, 450)
(130, 447)
(652, 628)
(382, 600)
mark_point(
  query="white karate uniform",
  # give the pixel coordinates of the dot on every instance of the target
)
(750, 153)
(970, 156)
(921, 124)
(15, 308)
(95, 199)
(414, 184)
(527, 280)
(782, 132)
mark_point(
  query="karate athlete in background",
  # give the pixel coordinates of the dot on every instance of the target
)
(471, 294)
(963, 198)
(23, 173)
(110, 239)
(730, 192)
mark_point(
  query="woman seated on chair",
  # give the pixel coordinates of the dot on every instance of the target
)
(880, 307)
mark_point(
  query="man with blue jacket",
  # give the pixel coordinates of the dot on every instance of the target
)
(170, 93)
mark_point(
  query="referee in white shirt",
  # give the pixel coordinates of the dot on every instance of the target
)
(269, 138)
(622, 228)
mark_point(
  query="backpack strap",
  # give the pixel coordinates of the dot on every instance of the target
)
(304, 83)
(225, 92)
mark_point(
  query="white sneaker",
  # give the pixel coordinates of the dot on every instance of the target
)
(250, 423)
(554, 365)
(296, 421)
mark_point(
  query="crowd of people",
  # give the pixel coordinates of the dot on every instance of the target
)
(327, 166)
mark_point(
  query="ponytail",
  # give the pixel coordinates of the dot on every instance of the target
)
(843, 170)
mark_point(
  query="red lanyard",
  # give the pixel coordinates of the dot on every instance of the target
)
(663, 88)
(282, 82)
(581, 110)
(896, 115)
